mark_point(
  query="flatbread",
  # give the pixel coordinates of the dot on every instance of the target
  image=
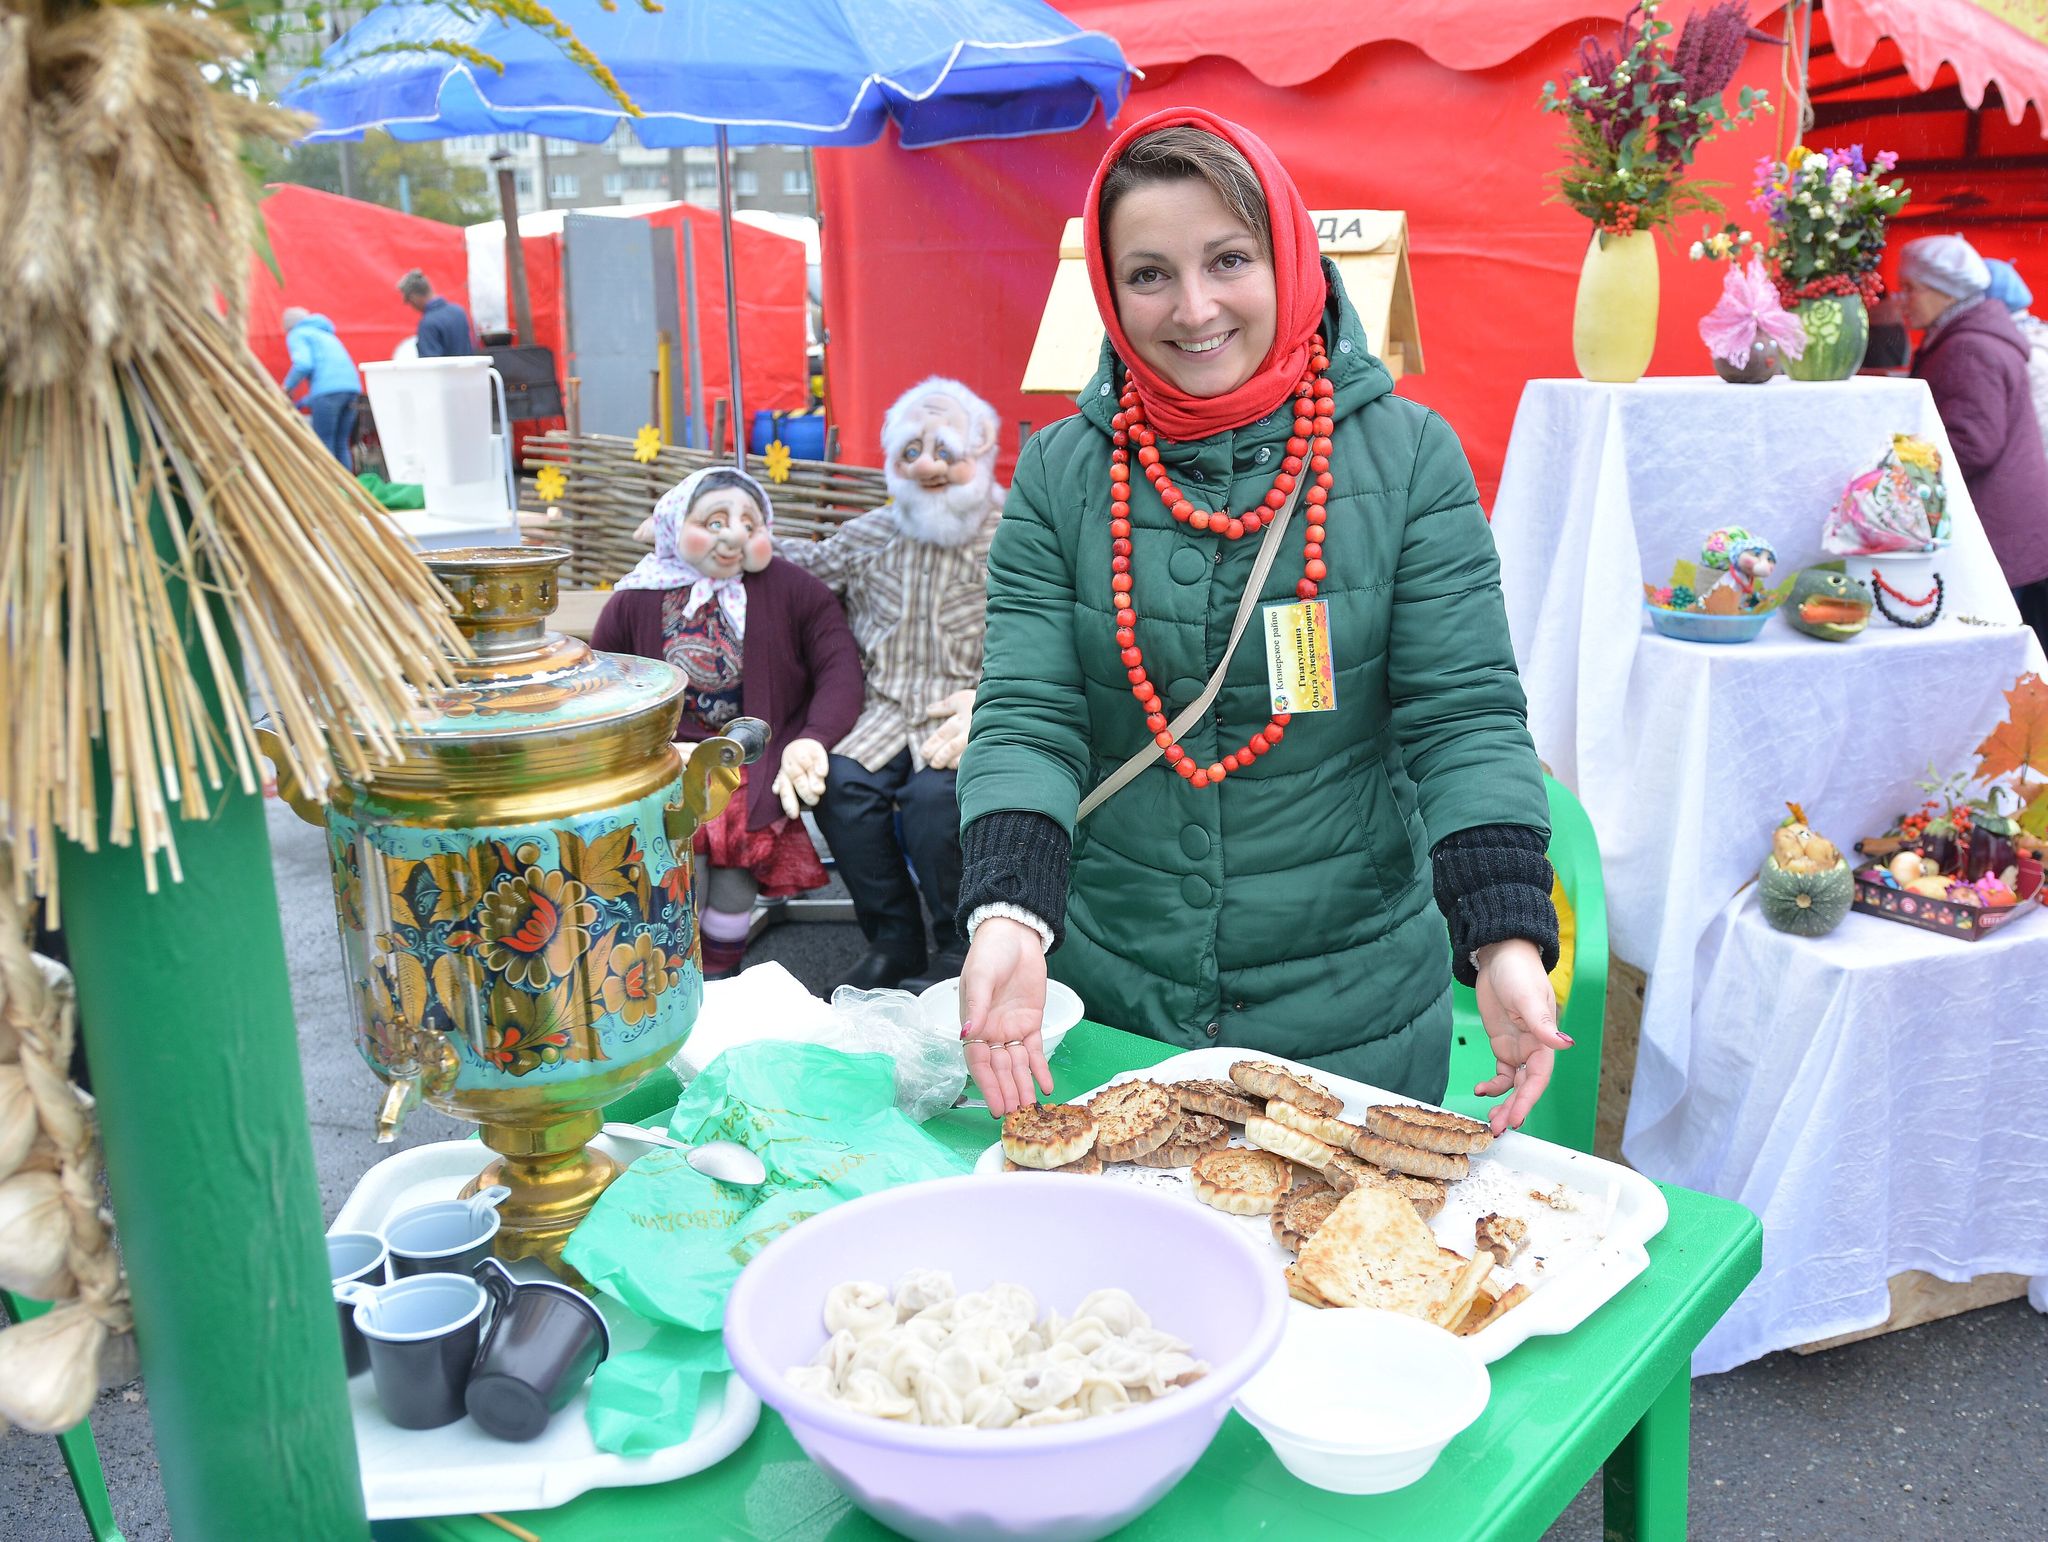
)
(1192, 1135)
(1048, 1135)
(1301, 1212)
(1132, 1118)
(1089, 1165)
(1241, 1182)
(1220, 1100)
(1346, 1172)
(1271, 1135)
(1331, 1132)
(1432, 1129)
(1374, 1250)
(1263, 1079)
(1398, 1157)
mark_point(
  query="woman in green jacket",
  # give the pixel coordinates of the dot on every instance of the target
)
(1265, 882)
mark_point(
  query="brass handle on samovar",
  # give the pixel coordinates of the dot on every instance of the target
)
(710, 775)
(290, 790)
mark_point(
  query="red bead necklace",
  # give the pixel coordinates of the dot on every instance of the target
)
(1308, 447)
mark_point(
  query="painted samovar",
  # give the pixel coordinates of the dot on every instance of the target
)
(514, 892)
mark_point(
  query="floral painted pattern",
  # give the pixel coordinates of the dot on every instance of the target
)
(513, 956)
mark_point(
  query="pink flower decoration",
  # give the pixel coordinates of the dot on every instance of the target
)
(1749, 307)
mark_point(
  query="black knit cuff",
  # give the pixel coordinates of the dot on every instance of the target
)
(1015, 858)
(1493, 883)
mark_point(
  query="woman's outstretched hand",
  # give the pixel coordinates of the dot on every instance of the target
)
(1519, 1010)
(1002, 1005)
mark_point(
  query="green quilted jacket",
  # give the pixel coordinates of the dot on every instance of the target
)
(1289, 910)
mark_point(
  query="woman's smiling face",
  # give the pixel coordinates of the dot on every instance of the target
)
(1194, 287)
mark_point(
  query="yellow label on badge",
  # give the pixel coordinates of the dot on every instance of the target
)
(1298, 664)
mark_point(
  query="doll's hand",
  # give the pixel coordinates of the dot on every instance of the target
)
(943, 749)
(1002, 1006)
(1519, 1010)
(801, 782)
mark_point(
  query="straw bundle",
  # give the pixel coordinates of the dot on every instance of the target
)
(609, 493)
(122, 384)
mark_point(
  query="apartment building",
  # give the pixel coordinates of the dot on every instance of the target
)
(562, 174)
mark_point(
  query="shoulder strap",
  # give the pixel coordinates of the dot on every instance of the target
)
(1269, 549)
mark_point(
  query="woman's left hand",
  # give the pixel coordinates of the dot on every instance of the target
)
(1519, 1010)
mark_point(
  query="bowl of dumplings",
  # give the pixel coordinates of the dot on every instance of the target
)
(1036, 1362)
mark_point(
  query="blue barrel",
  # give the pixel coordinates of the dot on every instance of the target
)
(804, 433)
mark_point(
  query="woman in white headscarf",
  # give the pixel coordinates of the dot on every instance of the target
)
(1975, 362)
(756, 636)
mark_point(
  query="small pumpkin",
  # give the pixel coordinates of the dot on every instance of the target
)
(1805, 887)
(1828, 604)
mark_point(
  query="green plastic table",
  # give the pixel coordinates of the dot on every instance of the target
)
(1616, 1391)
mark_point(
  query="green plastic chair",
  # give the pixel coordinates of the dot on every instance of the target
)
(1570, 1107)
(81, 1456)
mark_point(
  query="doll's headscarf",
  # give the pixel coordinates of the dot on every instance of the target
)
(666, 567)
(1300, 289)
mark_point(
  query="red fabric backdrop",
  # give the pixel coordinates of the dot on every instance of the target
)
(771, 297)
(969, 233)
(343, 258)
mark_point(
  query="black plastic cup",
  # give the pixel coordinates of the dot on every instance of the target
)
(444, 1237)
(423, 1333)
(545, 1341)
(354, 1258)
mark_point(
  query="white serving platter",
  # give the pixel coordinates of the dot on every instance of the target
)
(458, 1469)
(1586, 1231)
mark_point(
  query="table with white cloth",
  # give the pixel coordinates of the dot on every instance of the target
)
(1874, 1095)
(1685, 754)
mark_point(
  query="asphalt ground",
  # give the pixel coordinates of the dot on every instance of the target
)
(1939, 1434)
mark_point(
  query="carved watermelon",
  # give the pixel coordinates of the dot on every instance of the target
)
(1828, 604)
(1805, 904)
(1837, 333)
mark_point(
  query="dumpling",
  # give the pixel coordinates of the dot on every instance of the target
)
(837, 1354)
(988, 1408)
(965, 1365)
(1036, 1387)
(921, 1290)
(1123, 1363)
(907, 1360)
(938, 1405)
(812, 1380)
(859, 1306)
(869, 1392)
(1084, 1335)
(1101, 1395)
(1172, 1370)
(1064, 1414)
(1115, 1310)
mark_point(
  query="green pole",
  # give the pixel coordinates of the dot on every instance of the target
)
(186, 1012)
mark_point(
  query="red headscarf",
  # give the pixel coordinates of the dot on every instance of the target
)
(1297, 279)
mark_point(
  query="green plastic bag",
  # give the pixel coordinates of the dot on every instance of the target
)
(668, 1242)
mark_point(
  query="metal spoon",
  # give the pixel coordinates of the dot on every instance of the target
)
(724, 1161)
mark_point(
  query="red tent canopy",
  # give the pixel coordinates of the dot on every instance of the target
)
(1429, 106)
(343, 258)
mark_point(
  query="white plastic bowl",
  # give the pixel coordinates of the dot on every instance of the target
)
(1060, 1236)
(1062, 1010)
(1362, 1402)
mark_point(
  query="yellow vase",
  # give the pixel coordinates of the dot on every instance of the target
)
(1614, 322)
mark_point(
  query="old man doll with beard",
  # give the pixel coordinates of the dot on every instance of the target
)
(753, 636)
(914, 576)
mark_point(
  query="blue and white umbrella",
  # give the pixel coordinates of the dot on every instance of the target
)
(721, 72)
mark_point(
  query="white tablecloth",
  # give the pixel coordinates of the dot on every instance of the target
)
(1874, 1095)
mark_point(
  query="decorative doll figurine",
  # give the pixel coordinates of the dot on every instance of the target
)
(914, 575)
(754, 636)
(1743, 561)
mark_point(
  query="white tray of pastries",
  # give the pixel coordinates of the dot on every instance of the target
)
(1364, 1198)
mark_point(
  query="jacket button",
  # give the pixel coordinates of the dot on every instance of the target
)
(1237, 1006)
(1103, 389)
(1194, 842)
(1213, 1029)
(1265, 454)
(1196, 891)
(1187, 565)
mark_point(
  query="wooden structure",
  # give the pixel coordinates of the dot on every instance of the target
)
(609, 493)
(1369, 246)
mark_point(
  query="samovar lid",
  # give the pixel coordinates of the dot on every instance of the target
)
(526, 679)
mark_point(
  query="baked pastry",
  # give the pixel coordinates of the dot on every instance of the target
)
(1373, 1250)
(1431, 1129)
(1192, 1135)
(1396, 1156)
(1331, 1132)
(1088, 1165)
(1048, 1135)
(1241, 1182)
(1263, 1079)
(1501, 1235)
(1221, 1100)
(1346, 1172)
(1132, 1118)
(1271, 1135)
(1300, 1213)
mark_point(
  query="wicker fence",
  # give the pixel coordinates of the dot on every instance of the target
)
(609, 493)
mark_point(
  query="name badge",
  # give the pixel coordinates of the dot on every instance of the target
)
(1298, 665)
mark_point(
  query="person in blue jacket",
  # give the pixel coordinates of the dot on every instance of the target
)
(332, 384)
(444, 326)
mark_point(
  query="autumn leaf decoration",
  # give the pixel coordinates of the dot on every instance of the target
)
(2018, 749)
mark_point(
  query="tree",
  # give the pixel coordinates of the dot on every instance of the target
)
(435, 187)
